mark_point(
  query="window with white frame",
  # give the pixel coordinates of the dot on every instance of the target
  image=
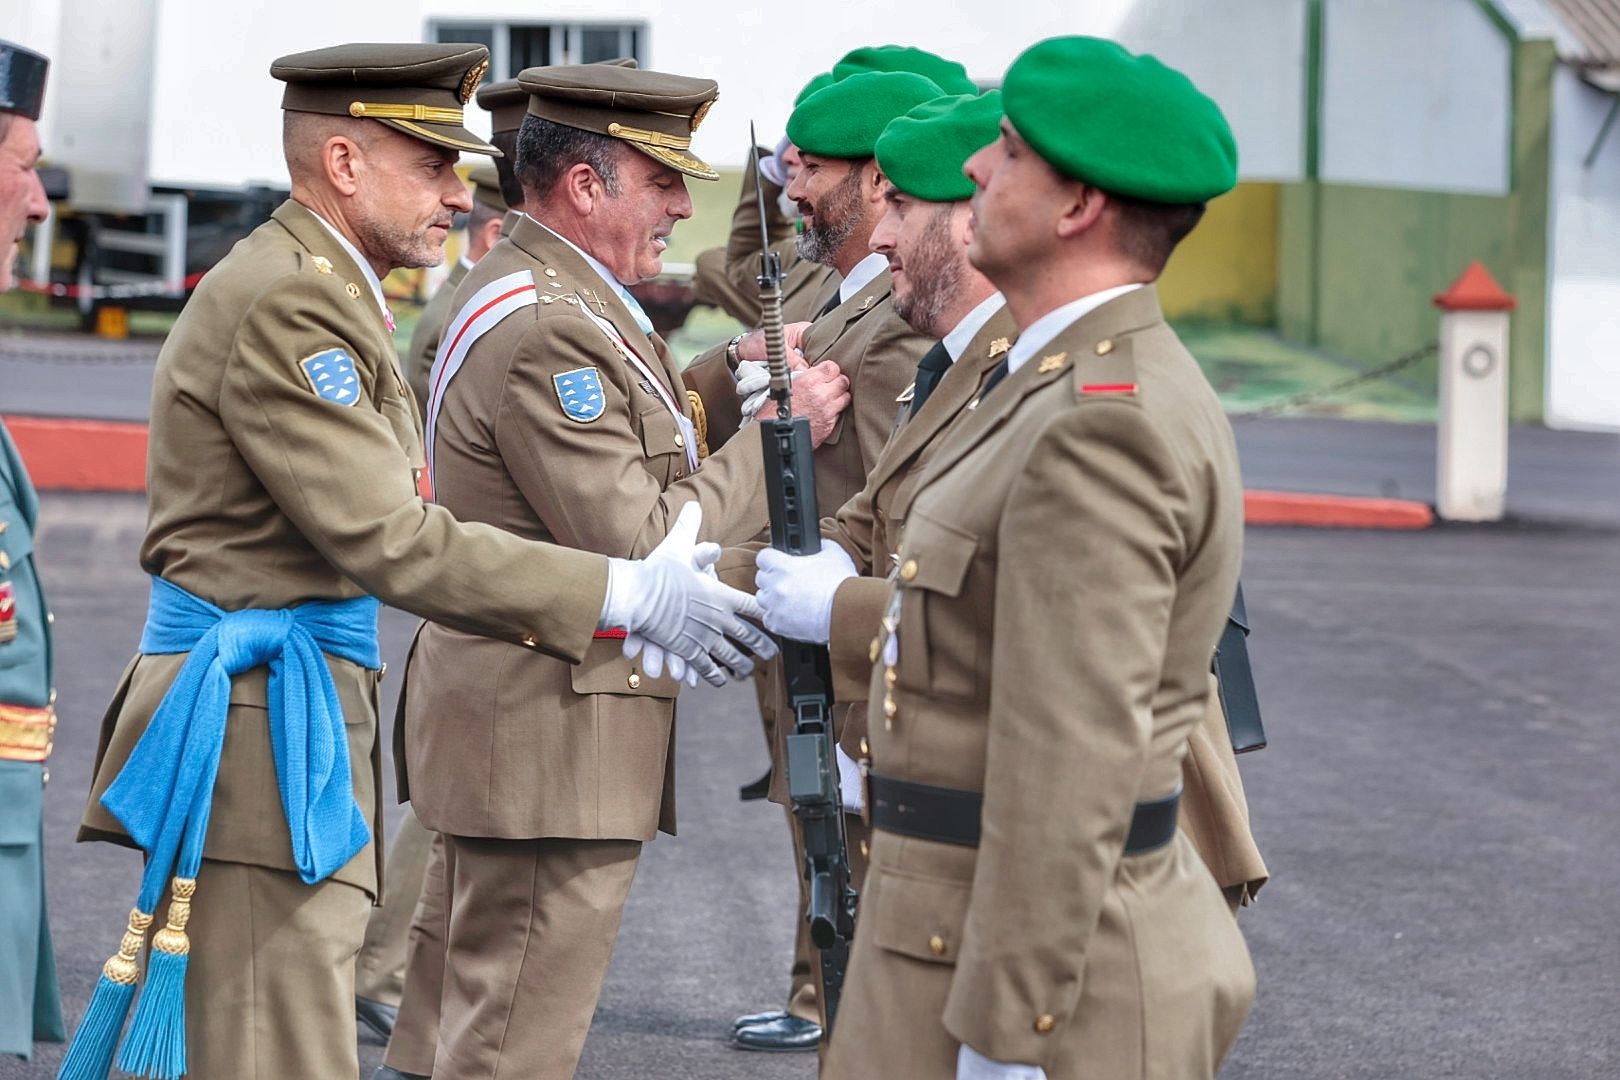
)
(514, 46)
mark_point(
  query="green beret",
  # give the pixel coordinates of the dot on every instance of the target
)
(845, 119)
(817, 83)
(1124, 123)
(948, 75)
(922, 152)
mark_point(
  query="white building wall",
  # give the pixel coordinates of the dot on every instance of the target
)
(1583, 317)
(1427, 107)
(213, 106)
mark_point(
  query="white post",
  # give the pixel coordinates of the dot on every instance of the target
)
(1473, 428)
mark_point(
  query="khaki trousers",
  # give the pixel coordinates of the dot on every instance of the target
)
(416, 1033)
(532, 926)
(379, 974)
(270, 979)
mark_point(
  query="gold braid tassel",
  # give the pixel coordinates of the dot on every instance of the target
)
(172, 938)
(123, 967)
(700, 423)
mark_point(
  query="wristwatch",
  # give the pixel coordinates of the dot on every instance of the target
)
(732, 359)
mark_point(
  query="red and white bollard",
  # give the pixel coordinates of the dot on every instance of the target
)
(1473, 427)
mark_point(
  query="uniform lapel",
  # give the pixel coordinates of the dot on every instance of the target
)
(956, 388)
(1135, 310)
(577, 278)
(826, 331)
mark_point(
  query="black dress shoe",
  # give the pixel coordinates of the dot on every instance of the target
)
(752, 1019)
(386, 1072)
(786, 1033)
(376, 1016)
(755, 790)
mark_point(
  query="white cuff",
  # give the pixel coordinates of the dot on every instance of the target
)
(972, 1065)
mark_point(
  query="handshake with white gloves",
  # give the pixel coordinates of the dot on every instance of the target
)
(676, 613)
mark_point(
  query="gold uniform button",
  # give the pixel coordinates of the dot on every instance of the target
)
(1044, 1024)
(679, 442)
(50, 618)
(1105, 346)
(550, 272)
(5, 561)
(382, 672)
(889, 707)
(866, 747)
(634, 680)
(889, 677)
(530, 641)
(908, 572)
(873, 652)
(936, 945)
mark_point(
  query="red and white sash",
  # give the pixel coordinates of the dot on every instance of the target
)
(479, 315)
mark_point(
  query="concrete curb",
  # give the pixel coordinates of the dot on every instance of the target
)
(1334, 511)
(101, 455)
(81, 455)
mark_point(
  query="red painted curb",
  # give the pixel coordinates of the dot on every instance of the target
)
(81, 455)
(100, 455)
(1334, 511)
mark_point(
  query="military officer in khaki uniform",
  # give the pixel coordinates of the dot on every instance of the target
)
(280, 472)
(1068, 563)
(484, 222)
(556, 413)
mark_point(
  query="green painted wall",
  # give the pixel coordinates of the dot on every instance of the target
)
(1357, 266)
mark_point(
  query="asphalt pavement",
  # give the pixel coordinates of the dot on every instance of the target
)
(1437, 807)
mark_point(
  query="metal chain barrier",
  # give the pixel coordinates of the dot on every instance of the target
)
(1307, 397)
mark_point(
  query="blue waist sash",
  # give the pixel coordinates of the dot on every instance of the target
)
(164, 793)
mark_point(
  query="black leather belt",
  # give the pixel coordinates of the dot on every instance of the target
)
(951, 816)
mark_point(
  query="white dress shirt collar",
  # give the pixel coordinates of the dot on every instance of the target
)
(861, 275)
(957, 340)
(360, 261)
(1040, 333)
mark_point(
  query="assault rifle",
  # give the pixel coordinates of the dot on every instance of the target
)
(812, 768)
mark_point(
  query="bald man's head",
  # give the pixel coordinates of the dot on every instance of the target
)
(393, 195)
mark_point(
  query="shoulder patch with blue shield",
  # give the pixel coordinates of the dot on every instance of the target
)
(580, 393)
(332, 376)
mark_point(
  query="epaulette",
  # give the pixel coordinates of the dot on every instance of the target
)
(1106, 370)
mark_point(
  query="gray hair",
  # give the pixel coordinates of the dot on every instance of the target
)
(546, 150)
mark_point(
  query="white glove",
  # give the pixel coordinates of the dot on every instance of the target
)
(972, 1065)
(754, 385)
(654, 657)
(669, 601)
(771, 164)
(849, 783)
(796, 591)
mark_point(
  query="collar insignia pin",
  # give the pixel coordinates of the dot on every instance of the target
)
(1051, 363)
(323, 265)
(999, 346)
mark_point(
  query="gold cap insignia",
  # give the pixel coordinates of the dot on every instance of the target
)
(474, 76)
(1051, 363)
(703, 111)
(999, 346)
(323, 265)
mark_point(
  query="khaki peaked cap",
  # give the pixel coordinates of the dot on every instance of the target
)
(486, 186)
(507, 102)
(653, 111)
(417, 89)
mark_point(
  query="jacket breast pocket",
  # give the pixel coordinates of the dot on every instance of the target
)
(916, 916)
(938, 649)
(606, 670)
(659, 435)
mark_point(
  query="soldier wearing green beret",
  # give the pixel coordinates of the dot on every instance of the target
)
(1068, 563)
(727, 277)
(240, 751)
(30, 1008)
(484, 221)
